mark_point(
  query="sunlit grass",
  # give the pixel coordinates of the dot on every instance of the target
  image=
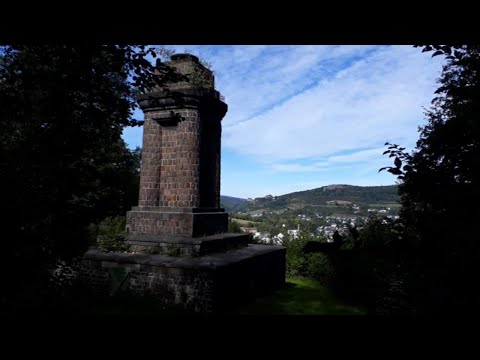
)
(300, 296)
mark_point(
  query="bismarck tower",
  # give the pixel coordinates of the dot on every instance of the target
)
(180, 175)
(179, 251)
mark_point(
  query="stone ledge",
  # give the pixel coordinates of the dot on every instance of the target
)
(188, 98)
(207, 262)
(166, 209)
(186, 246)
(182, 239)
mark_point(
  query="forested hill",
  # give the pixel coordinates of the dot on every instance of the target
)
(327, 195)
(231, 203)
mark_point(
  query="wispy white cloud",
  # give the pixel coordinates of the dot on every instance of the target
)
(298, 167)
(336, 162)
(373, 99)
(316, 115)
(255, 78)
(357, 157)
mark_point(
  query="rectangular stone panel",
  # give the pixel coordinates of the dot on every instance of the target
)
(186, 224)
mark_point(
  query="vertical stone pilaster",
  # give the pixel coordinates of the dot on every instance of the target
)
(151, 162)
(218, 151)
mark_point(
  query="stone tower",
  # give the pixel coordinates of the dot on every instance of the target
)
(180, 253)
(180, 174)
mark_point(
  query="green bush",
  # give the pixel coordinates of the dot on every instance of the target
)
(364, 271)
(378, 234)
(295, 258)
(295, 265)
(317, 266)
(233, 226)
(109, 234)
(373, 271)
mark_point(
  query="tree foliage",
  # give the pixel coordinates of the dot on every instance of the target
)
(63, 164)
(108, 233)
(301, 263)
(440, 183)
(233, 226)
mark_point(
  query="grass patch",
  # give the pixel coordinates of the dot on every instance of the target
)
(300, 296)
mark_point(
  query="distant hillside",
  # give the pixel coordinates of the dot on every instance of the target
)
(331, 195)
(231, 203)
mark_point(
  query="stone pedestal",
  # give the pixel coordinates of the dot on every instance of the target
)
(208, 283)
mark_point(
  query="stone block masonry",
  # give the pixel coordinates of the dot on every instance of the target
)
(181, 162)
(176, 223)
(181, 158)
(171, 164)
(199, 284)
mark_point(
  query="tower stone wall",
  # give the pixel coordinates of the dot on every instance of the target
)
(180, 172)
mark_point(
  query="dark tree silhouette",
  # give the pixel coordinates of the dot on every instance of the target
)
(63, 163)
(354, 233)
(337, 239)
(440, 186)
(316, 246)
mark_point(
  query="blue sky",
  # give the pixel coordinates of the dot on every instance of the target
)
(303, 116)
